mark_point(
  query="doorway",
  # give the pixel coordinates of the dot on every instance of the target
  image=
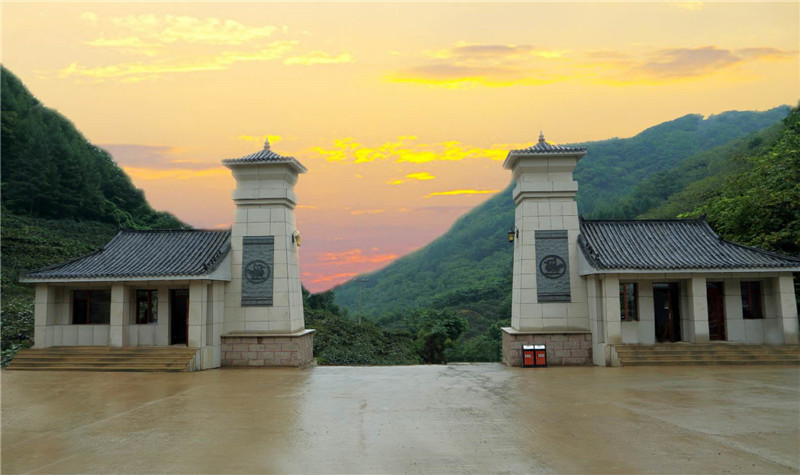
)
(716, 311)
(666, 298)
(178, 316)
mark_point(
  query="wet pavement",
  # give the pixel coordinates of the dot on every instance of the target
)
(483, 418)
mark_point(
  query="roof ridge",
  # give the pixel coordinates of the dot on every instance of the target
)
(685, 220)
(759, 250)
(125, 230)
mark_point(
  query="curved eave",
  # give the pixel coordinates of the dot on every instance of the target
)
(291, 162)
(514, 155)
(137, 278)
(696, 270)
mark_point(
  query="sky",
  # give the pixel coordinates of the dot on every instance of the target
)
(402, 112)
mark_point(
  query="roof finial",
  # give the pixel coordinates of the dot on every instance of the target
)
(266, 143)
(541, 137)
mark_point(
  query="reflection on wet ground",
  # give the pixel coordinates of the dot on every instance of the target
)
(483, 418)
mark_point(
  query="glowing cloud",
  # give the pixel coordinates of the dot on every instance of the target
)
(139, 71)
(354, 256)
(407, 149)
(460, 192)
(213, 31)
(318, 57)
(491, 65)
(335, 277)
(421, 176)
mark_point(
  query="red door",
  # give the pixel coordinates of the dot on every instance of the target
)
(716, 311)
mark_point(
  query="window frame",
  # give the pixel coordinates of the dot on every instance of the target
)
(748, 301)
(625, 314)
(151, 311)
(87, 317)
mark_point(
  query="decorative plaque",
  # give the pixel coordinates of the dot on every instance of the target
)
(257, 269)
(552, 266)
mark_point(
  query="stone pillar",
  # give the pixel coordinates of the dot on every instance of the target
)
(43, 315)
(264, 298)
(698, 309)
(611, 309)
(786, 308)
(120, 315)
(549, 297)
(198, 312)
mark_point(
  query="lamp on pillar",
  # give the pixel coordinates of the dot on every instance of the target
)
(297, 238)
(513, 233)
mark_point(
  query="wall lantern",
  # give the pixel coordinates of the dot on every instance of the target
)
(296, 238)
(513, 233)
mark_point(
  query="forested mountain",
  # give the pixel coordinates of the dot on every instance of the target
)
(612, 168)
(49, 170)
(62, 196)
(469, 267)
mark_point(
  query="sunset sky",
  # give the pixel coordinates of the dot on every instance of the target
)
(402, 112)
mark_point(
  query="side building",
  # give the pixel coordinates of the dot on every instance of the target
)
(582, 287)
(234, 295)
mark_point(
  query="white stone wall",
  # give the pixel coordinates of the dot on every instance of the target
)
(778, 326)
(286, 313)
(545, 201)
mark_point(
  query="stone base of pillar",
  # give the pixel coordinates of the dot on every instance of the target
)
(251, 349)
(564, 348)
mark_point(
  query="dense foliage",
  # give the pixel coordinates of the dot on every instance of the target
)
(49, 170)
(420, 337)
(612, 168)
(759, 204)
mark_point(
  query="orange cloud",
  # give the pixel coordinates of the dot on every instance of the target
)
(354, 256)
(328, 278)
(460, 192)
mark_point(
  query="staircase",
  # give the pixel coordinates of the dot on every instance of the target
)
(721, 353)
(101, 358)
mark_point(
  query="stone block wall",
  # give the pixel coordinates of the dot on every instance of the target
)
(563, 349)
(269, 350)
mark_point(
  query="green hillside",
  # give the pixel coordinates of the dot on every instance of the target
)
(49, 170)
(612, 168)
(474, 257)
(62, 197)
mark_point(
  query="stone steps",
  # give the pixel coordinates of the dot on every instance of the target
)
(707, 354)
(77, 358)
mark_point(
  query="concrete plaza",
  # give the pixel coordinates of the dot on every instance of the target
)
(484, 418)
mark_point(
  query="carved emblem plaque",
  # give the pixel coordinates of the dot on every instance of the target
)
(257, 266)
(552, 266)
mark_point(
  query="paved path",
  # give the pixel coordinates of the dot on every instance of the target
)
(416, 419)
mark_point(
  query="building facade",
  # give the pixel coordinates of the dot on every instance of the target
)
(233, 295)
(581, 287)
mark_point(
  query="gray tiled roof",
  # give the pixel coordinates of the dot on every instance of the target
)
(266, 156)
(669, 244)
(544, 147)
(146, 254)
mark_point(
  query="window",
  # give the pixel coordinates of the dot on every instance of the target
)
(629, 302)
(146, 306)
(91, 307)
(751, 300)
